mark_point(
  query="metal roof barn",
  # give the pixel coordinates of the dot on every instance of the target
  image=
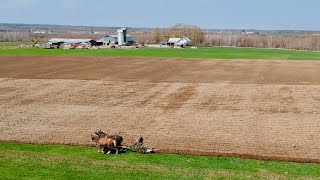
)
(57, 42)
(113, 39)
(68, 41)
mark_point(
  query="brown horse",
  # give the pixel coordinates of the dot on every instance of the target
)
(106, 142)
(118, 139)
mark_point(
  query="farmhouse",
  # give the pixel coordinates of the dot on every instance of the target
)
(185, 41)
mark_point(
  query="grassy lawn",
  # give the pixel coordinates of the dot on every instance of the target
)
(27, 161)
(201, 52)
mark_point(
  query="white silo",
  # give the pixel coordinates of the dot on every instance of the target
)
(122, 33)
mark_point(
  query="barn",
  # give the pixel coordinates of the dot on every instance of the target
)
(113, 40)
(57, 42)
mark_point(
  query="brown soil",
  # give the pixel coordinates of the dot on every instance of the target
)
(257, 109)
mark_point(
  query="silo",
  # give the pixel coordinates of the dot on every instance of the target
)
(124, 34)
(120, 37)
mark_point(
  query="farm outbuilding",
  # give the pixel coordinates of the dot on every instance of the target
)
(184, 41)
(113, 40)
(69, 41)
(121, 38)
(109, 40)
(57, 42)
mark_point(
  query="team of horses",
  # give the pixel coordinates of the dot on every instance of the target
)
(113, 144)
(107, 143)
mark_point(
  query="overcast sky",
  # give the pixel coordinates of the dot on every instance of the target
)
(216, 14)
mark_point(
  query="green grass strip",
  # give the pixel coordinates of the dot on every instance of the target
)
(31, 161)
(201, 52)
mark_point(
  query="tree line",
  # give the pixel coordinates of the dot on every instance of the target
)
(198, 37)
(195, 33)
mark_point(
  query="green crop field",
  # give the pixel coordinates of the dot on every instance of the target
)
(201, 52)
(27, 161)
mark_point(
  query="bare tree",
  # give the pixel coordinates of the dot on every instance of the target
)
(195, 33)
(157, 35)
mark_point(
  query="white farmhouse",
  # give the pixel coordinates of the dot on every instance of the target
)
(184, 41)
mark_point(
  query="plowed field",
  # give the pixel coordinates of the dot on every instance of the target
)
(261, 109)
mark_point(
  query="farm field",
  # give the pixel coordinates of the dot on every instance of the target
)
(244, 108)
(201, 52)
(30, 161)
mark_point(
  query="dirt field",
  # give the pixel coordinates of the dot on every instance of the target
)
(258, 109)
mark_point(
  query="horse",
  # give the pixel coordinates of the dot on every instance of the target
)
(101, 134)
(97, 135)
(118, 139)
(106, 142)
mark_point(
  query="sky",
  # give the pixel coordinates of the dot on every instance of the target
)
(213, 14)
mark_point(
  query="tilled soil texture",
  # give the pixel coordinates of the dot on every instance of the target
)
(257, 109)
